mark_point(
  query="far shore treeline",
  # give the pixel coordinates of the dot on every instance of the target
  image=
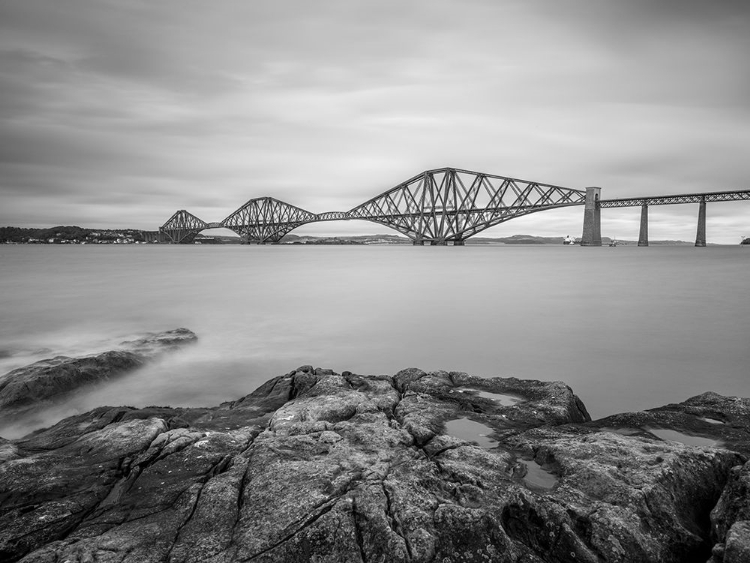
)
(69, 235)
(81, 235)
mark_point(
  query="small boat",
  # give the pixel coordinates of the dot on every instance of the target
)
(613, 242)
(568, 240)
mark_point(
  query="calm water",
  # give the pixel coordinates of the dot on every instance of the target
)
(628, 328)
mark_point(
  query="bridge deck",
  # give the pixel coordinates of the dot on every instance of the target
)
(676, 199)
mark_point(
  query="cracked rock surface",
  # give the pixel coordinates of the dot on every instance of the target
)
(317, 466)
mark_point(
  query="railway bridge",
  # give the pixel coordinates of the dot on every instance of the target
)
(441, 207)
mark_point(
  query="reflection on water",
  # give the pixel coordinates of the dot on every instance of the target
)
(687, 439)
(711, 420)
(619, 327)
(622, 431)
(536, 477)
(502, 398)
(471, 431)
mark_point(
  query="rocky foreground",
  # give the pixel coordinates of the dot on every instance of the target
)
(423, 467)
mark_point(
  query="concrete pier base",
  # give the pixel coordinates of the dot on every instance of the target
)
(592, 225)
(439, 243)
(417, 242)
(700, 235)
(459, 243)
(643, 235)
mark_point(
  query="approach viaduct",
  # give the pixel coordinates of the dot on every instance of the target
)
(441, 207)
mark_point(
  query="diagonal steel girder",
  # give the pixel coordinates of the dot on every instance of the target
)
(450, 204)
(182, 227)
(266, 219)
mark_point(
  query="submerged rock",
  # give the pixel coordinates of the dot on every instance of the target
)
(316, 466)
(157, 343)
(46, 381)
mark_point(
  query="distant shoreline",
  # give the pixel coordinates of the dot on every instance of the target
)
(79, 235)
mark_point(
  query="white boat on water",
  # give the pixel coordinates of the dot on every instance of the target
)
(568, 240)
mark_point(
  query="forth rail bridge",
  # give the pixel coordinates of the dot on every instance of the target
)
(441, 207)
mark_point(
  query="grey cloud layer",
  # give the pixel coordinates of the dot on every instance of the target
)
(202, 105)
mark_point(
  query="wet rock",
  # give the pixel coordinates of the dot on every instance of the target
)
(541, 402)
(316, 466)
(47, 380)
(724, 421)
(156, 343)
(42, 383)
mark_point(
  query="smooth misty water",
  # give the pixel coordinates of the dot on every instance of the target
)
(628, 328)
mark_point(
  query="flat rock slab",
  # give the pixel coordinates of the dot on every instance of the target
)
(317, 466)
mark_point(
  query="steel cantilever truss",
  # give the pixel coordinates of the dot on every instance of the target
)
(437, 206)
(266, 219)
(450, 204)
(182, 227)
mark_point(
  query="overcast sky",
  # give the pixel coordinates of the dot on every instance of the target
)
(116, 113)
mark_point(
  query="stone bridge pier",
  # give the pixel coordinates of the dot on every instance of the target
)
(700, 235)
(643, 233)
(592, 218)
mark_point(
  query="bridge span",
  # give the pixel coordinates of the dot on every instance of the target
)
(441, 207)
(701, 199)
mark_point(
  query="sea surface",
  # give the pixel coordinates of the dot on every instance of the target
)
(627, 328)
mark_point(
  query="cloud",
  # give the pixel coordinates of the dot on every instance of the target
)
(203, 106)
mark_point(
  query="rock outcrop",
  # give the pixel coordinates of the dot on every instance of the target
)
(730, 519)
(708, 418)
(418, 467)
(44, 382)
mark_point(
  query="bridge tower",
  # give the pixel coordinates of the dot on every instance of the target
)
(592, 218)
